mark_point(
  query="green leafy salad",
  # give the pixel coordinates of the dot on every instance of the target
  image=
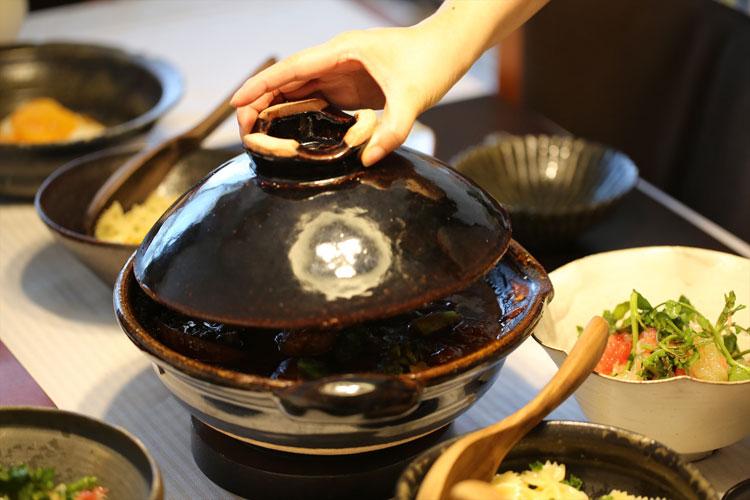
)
(673, 338)
(21, 482)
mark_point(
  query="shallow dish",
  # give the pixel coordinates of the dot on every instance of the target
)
(62, 199)
(125, 92)
(605, 458)
(553, 187)
(690, 416)
(76, 446)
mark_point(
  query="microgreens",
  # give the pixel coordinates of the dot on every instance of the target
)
(681, 330)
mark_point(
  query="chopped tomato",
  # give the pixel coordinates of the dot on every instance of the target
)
(679, 371)
(98, 493)
(615, 354)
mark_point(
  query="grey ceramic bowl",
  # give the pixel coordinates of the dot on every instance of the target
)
(553, 187)
(125, 92)
(605, 458)
(76, 446)
(63, 197)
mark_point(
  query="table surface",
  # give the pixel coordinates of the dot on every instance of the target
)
(59, 342)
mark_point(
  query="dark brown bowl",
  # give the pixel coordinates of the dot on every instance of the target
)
(303, 417)
(76, 446)
(125, 92)
(553, 187)
(604, 457)
(62, 199)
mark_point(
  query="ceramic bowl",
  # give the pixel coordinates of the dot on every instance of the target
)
(691, 416)
(604, 457)
(62, 199)
(125, 92)
(76, 446)
(553, 187)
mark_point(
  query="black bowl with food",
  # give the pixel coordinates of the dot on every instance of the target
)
(77, 449)
(335, 309)
(597, 459)
(63, 100)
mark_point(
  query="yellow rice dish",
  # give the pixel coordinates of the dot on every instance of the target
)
(118, 226)
(44, 120)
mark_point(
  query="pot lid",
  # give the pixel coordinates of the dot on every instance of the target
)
(308, 237)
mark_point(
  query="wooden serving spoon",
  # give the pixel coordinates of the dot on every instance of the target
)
(478, 455)
(138, 177)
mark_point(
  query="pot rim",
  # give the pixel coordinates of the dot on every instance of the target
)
(431, 376)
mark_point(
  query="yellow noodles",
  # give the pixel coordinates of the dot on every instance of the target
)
(117, 226)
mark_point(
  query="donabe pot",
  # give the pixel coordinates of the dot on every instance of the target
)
(251, 245)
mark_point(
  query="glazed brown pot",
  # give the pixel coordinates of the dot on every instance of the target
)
(243, 247)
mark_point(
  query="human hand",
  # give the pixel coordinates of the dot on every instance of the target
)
(391, 68)
(402, 70)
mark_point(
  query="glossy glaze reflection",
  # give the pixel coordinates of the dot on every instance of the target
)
(244, 249)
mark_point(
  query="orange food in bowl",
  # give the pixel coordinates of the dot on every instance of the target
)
(43, 120)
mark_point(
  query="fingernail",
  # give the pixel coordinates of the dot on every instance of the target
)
(372, 155)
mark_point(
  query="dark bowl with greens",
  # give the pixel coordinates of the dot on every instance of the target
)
(43, 448)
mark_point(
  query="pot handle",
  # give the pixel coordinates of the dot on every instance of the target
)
(353, 398)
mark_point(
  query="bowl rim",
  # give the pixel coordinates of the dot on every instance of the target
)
(167, 75)
(131, 148)
(32, 416)
(492, 140)
(662, 453)
(640, 250)
(477, 360)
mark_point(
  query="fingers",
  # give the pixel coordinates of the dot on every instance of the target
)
(247, 115)
(391, 132)
(300, 67)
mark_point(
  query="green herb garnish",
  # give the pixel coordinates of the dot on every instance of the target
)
(681, 331)
(536, 465)
(573, 481)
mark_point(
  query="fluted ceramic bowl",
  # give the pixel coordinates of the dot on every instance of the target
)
(553, 187)
(62, 199)
(124, 92)
(691, 416)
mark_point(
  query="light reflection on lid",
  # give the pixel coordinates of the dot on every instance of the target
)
(340, 254)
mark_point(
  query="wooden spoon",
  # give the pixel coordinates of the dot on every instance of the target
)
(478, 455)
(138, 177)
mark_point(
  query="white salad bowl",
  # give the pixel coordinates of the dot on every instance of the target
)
(693, 417)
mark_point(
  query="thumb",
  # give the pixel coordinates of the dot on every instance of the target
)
(395, 124)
